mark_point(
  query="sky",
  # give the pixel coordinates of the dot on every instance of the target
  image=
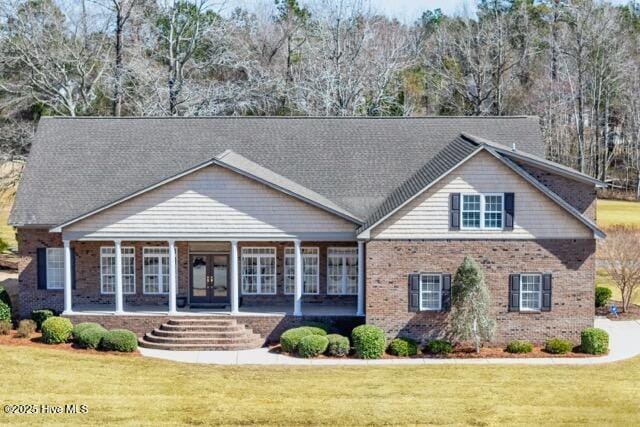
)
(404, 10)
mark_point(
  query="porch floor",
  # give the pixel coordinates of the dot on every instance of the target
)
(262, 310)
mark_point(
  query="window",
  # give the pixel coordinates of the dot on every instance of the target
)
(530, 292)
(155, 270)
(310, 270)
(342, 271)
(258, 268)
(108, 270)
(55, 268)
(430, 292)
(482, 211)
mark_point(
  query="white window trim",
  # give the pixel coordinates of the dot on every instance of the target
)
(132, 255)
(343, 281)
(527, 309)
(258, 273)
(439, 276)
(482, 211)
(316, 256)
(160, 282)
(49, 286)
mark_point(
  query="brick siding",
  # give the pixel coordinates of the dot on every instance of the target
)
(571, 261)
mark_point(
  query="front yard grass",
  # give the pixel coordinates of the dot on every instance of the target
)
(141, 391)
(603, 279)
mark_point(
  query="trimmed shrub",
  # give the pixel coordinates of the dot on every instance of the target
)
(519, 346)
(338, 345)
(26, 328)
(368, 341)
(5, 312)
(121, 340)
(5, 327)
(318, 328)
(90, 336)
(558, 346)
(80, 327)
(4, 297)
(603, 295)
(39, 316)
(594, 341)
(289, 339)
(438, 347)
(56, 330)
(312, 345)
(403, 347)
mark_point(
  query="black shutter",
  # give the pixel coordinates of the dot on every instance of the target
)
(454, 211)
(41, 256)
(546, 292)
(509, 211)
(414, 292)
(514, 292)
(446, 292)
(73, 269)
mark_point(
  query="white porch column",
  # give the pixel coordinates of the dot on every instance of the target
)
(119, 292)
(68, 289)
(234, 277)
(297, 301)
(360, 311)
(172, 278)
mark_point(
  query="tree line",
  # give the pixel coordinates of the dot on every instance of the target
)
(573, 63)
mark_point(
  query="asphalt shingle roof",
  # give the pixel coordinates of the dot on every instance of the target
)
(78, 165)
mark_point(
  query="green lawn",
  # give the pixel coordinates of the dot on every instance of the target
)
(618, 212)
(7, 233)
(141, 391)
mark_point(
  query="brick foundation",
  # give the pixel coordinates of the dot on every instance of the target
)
(570, 261)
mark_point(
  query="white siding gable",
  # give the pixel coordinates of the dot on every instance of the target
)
(213, 202)
(427, 216)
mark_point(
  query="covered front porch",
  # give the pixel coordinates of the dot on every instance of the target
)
(246, 277)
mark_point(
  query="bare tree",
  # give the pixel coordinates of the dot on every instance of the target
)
(621, 256)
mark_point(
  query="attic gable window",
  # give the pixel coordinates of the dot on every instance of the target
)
(482, 212)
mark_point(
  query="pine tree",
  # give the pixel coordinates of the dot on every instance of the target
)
(470, 305)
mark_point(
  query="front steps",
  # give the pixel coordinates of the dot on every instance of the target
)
(197, 334)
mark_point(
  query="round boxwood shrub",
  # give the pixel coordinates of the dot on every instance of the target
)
(56, 330)
(368, 341)
(121, 340)
(519, 346)
(312, 345)
(594, 341)
(558, 346)
(318, 328)
(90, 336)
(39, 316)
(338, 345)
(438, 347)
(80, 327)
(290, 339)
(26, 328)
(603, 295)
(5, 312)
(403, 347)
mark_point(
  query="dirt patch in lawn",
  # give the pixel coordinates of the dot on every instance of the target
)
(465, 352)
(36, 341)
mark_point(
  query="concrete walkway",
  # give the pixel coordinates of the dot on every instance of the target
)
(624, 343)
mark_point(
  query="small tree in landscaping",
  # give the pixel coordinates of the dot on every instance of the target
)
(470, 302)
(621, 256)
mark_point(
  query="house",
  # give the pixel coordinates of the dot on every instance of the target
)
(270, 222)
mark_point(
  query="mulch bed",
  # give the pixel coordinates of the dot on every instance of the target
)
(36, 341)
(463, 352)
(633, 313)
